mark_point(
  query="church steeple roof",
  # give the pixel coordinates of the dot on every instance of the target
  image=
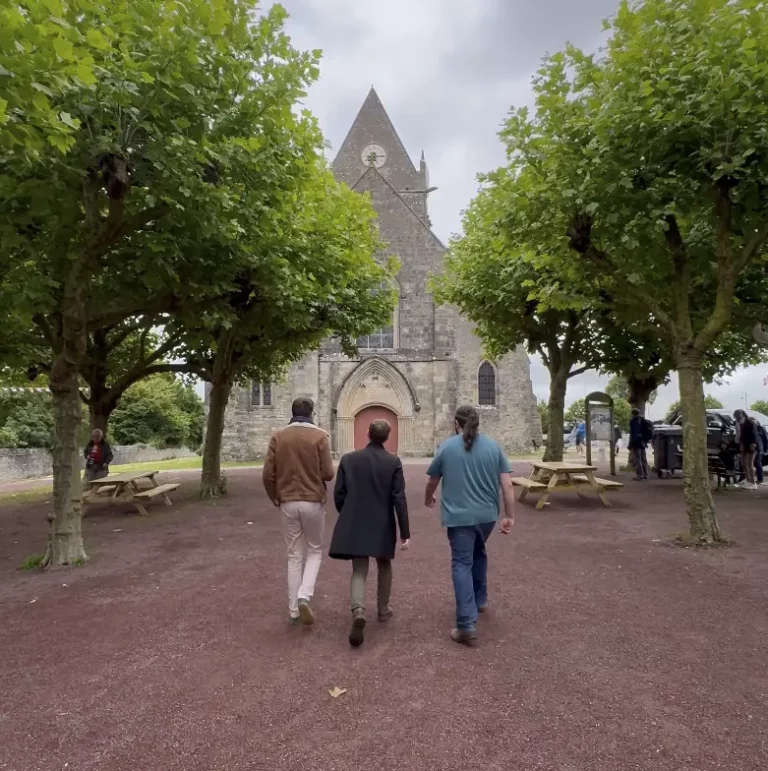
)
(373, 126)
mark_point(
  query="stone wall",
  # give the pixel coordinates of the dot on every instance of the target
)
(35, 463)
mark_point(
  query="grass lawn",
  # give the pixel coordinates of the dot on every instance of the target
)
(44, 486)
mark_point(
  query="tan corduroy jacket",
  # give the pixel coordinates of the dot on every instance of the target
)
(298, 464)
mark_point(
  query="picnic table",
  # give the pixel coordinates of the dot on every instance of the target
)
(548, 478)
(125, 487)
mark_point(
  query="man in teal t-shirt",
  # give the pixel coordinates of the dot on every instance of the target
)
(474, 471)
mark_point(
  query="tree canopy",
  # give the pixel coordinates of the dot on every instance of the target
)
(149, 152)
(640, 182)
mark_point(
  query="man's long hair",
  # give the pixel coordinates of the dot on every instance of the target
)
(468, 419)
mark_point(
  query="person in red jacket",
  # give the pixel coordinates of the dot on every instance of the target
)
(98, 456)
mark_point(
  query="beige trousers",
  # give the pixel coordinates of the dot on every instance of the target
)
(303, 527)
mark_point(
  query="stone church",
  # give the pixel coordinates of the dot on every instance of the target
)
(416, 370)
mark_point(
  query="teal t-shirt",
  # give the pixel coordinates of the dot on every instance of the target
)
(470, 494)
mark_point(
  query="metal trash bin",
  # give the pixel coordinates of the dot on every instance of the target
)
(667, 445)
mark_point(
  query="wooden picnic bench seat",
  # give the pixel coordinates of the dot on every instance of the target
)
(530, 484)
(153, 491)
(608, 484)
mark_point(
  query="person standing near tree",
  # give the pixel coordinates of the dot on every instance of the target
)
(640, 433)
(296, 470)
(472, 468)
(748, 445)
(762, 448)
(370, 498)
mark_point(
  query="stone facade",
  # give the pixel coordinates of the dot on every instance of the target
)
(432, 360)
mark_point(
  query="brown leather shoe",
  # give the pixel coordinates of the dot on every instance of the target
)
(385, 614)
(357, 633)
(463, 636)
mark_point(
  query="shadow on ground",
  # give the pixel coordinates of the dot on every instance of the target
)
(604, 649)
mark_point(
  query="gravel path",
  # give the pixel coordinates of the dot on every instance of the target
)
(604, 650)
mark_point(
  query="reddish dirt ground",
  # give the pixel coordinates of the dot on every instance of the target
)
(604, 648)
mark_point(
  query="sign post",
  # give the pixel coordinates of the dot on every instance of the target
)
(598, 407)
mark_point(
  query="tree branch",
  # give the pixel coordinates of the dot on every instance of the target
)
(578, 371)
(750, 250)
(682, 265)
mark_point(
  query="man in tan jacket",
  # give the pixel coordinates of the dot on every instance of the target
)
(297, 467)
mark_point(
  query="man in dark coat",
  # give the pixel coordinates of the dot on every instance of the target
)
(369, 495)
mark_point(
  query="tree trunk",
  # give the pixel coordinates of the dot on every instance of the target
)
(65, 540)
(211, 482)
(700, 507)
(556, 408)
(640, 391)
(100, 413)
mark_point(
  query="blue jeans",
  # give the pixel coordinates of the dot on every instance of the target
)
(759, 465)
(469, 566)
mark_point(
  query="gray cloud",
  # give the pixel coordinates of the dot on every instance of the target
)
(448, 72)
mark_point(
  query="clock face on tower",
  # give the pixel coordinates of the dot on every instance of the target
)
(374, 155)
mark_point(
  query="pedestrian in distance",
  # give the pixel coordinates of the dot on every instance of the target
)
(295, 473)
(370, 498)
(640, 434)
(748, 445)
(474, 471)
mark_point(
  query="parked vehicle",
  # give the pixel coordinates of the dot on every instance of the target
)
(721, 427)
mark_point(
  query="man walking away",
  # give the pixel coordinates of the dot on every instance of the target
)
(297, 467)
(369, 496)
(472, 468)
(640, 433)
(748, 443)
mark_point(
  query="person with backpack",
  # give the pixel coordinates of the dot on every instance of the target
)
(640, 435)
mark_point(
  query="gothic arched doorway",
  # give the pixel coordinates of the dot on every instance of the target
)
(363, 420)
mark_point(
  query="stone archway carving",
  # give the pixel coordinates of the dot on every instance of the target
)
(375, 382)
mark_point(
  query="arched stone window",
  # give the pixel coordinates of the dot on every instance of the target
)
(387, 337)
(486, 385)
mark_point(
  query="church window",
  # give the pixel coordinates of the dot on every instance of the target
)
(486, 385)
(261, 394)
(387, 336)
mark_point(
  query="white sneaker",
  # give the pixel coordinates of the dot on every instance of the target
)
(751, 486)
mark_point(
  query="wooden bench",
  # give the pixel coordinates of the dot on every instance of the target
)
(95, 492)
(159, 490)
(608, 484)
(529, 484)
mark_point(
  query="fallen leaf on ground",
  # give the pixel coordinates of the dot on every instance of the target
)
(336, 691)
(118, 530)
(249, 523)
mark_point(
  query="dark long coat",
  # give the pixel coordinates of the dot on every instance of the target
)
(369, 496)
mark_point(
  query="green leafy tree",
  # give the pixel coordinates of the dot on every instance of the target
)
(760, 406)
(543, 415)
(26, 418)
(617, 388)
(128, 136)
(655, 169)
(319, 280)
(575, 412)
(160, 411)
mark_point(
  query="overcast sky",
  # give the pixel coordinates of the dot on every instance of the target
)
(447, 72)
